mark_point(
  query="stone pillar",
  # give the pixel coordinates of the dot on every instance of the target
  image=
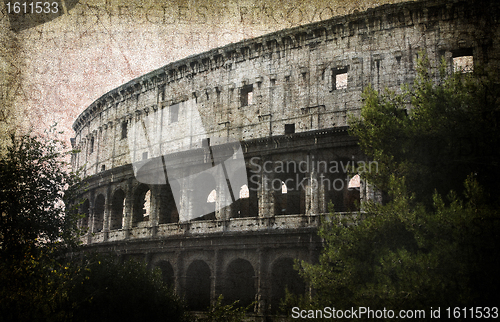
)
(91, 216)
(129, 205)
(154, 216)
(369, 192)
(262, 288)
(265, 193)
(312, 194)
(107, 212)
(223, 196)
(322, 202)
(180, 274)
(217, 277)
(185, 202)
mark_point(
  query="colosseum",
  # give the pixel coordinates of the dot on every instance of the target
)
(218, 168)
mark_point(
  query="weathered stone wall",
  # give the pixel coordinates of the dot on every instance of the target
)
(291, 74)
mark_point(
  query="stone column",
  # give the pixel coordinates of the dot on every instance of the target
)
(312, 194)
(91, 216)
(217, 277)
(129, 205)
(186, 205)
(262, 288)
(180, 274)
(223, 196)
(265, 193)
(322, 202)
(107, 212)
(154, 216)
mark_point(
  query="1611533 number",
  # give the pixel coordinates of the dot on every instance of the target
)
(33, 7)
(472, 312)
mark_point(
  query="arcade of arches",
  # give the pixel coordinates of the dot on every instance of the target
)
(261, 283)
(131, 204)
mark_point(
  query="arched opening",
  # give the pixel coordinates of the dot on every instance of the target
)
(117, 207)
(245, 193)
(283, 276)
(142, 205)
(99, 213)
(240, 208)
(239, 283)
(289, 196)
(84, 210)
(352, 194)
(205, 197)
(167, 273)
(335, 184)
(247, 204)
(168, 208)
(198, 286)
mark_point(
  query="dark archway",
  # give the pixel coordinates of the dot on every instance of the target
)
(142, 205)
(247, 203)
(352, 193)
(99, 213)
(168, 208)
(239, 283)
(240, 208)
(167, 273)
(84, 210)
(198, 286)
(289, 197)
(117, 206)
(283, 276)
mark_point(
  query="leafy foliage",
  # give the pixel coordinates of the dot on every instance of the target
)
(33, 187)
(435, 133)
(402, 256)
(88, 288)
(225, 313)
(418, 249)
(38, 282)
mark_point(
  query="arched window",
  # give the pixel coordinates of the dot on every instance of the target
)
(167, 273)
(99, 213)
(84, 210)
(198, 286)
(117, 208)
(204, 197)
(290, 197)
(283, 276)
(244, 192)
(142, 205)
(168, 208)
(212, 196)
(239, 283)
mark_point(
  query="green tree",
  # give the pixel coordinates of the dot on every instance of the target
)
(434, 133)
(402, 256)
(38, 281)
(34, 186)
(86, 288)
(418, 249)
(225, 313)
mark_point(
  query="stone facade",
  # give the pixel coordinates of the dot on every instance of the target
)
(285, 97)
